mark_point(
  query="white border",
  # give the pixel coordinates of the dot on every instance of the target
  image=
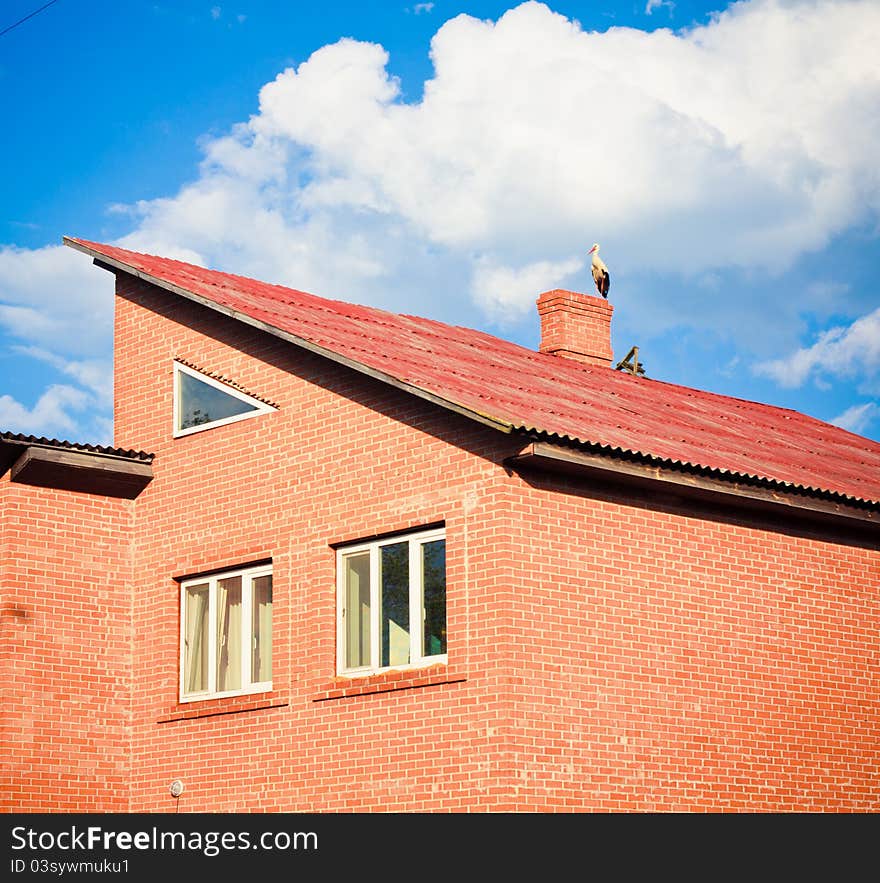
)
(259, 407)
(248, 575)
(416, 538)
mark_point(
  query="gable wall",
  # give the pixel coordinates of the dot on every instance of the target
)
(345, 457)
(65, 636)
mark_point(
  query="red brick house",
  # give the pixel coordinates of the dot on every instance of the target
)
(343, 560)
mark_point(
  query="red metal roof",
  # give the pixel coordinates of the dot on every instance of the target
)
(518, 389)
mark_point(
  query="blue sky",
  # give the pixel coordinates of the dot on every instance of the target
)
(454, 160)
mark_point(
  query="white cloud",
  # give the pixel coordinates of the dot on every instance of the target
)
(94, 374)
(724, 146)
(651, 5)
(495, 286)
(844, 351)
(60, 306)
(858, 418)
(51, 415)
(55, 298)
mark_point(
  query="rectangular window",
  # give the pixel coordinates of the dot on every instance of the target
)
(392, 603)
(226, 634)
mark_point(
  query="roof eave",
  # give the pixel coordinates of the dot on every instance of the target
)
(79, 470)
(559, 459)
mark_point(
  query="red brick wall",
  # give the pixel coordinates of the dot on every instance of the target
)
(606, 651)
(576, 326)
(65, 665)
(323, 469)
(668, 662)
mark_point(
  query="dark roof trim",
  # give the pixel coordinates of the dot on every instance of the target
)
(92, 469)
(107, 263)
(11, 438)
(625, 455)
(751, 493)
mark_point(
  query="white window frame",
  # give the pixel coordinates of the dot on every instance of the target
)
(248, 575)
(258, 406)
(416, 603)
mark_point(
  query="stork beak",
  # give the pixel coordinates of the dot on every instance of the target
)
(592, 250)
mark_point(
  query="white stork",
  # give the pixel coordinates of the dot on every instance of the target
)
(600, 272)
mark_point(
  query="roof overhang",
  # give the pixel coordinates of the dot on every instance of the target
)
(730, 492)
(72, 470)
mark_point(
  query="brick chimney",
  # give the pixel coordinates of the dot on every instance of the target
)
(576, 326)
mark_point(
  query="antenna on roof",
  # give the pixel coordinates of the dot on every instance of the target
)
(630, 363)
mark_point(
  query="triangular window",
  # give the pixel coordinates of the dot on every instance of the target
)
(202, 402)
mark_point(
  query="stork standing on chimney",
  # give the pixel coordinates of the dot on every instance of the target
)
(600, 272)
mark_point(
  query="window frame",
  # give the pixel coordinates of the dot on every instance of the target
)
(248, 576)
(259, 407)
(418, 659)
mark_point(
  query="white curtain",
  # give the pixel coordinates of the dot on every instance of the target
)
(229, 634)
(196, 659)
(357, 610)
(261, 662)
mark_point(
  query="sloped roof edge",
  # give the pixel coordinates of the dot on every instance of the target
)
(102, 259)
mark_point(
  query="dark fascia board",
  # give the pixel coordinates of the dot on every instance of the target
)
(580, 464)
(81, 471)
(114, 266)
